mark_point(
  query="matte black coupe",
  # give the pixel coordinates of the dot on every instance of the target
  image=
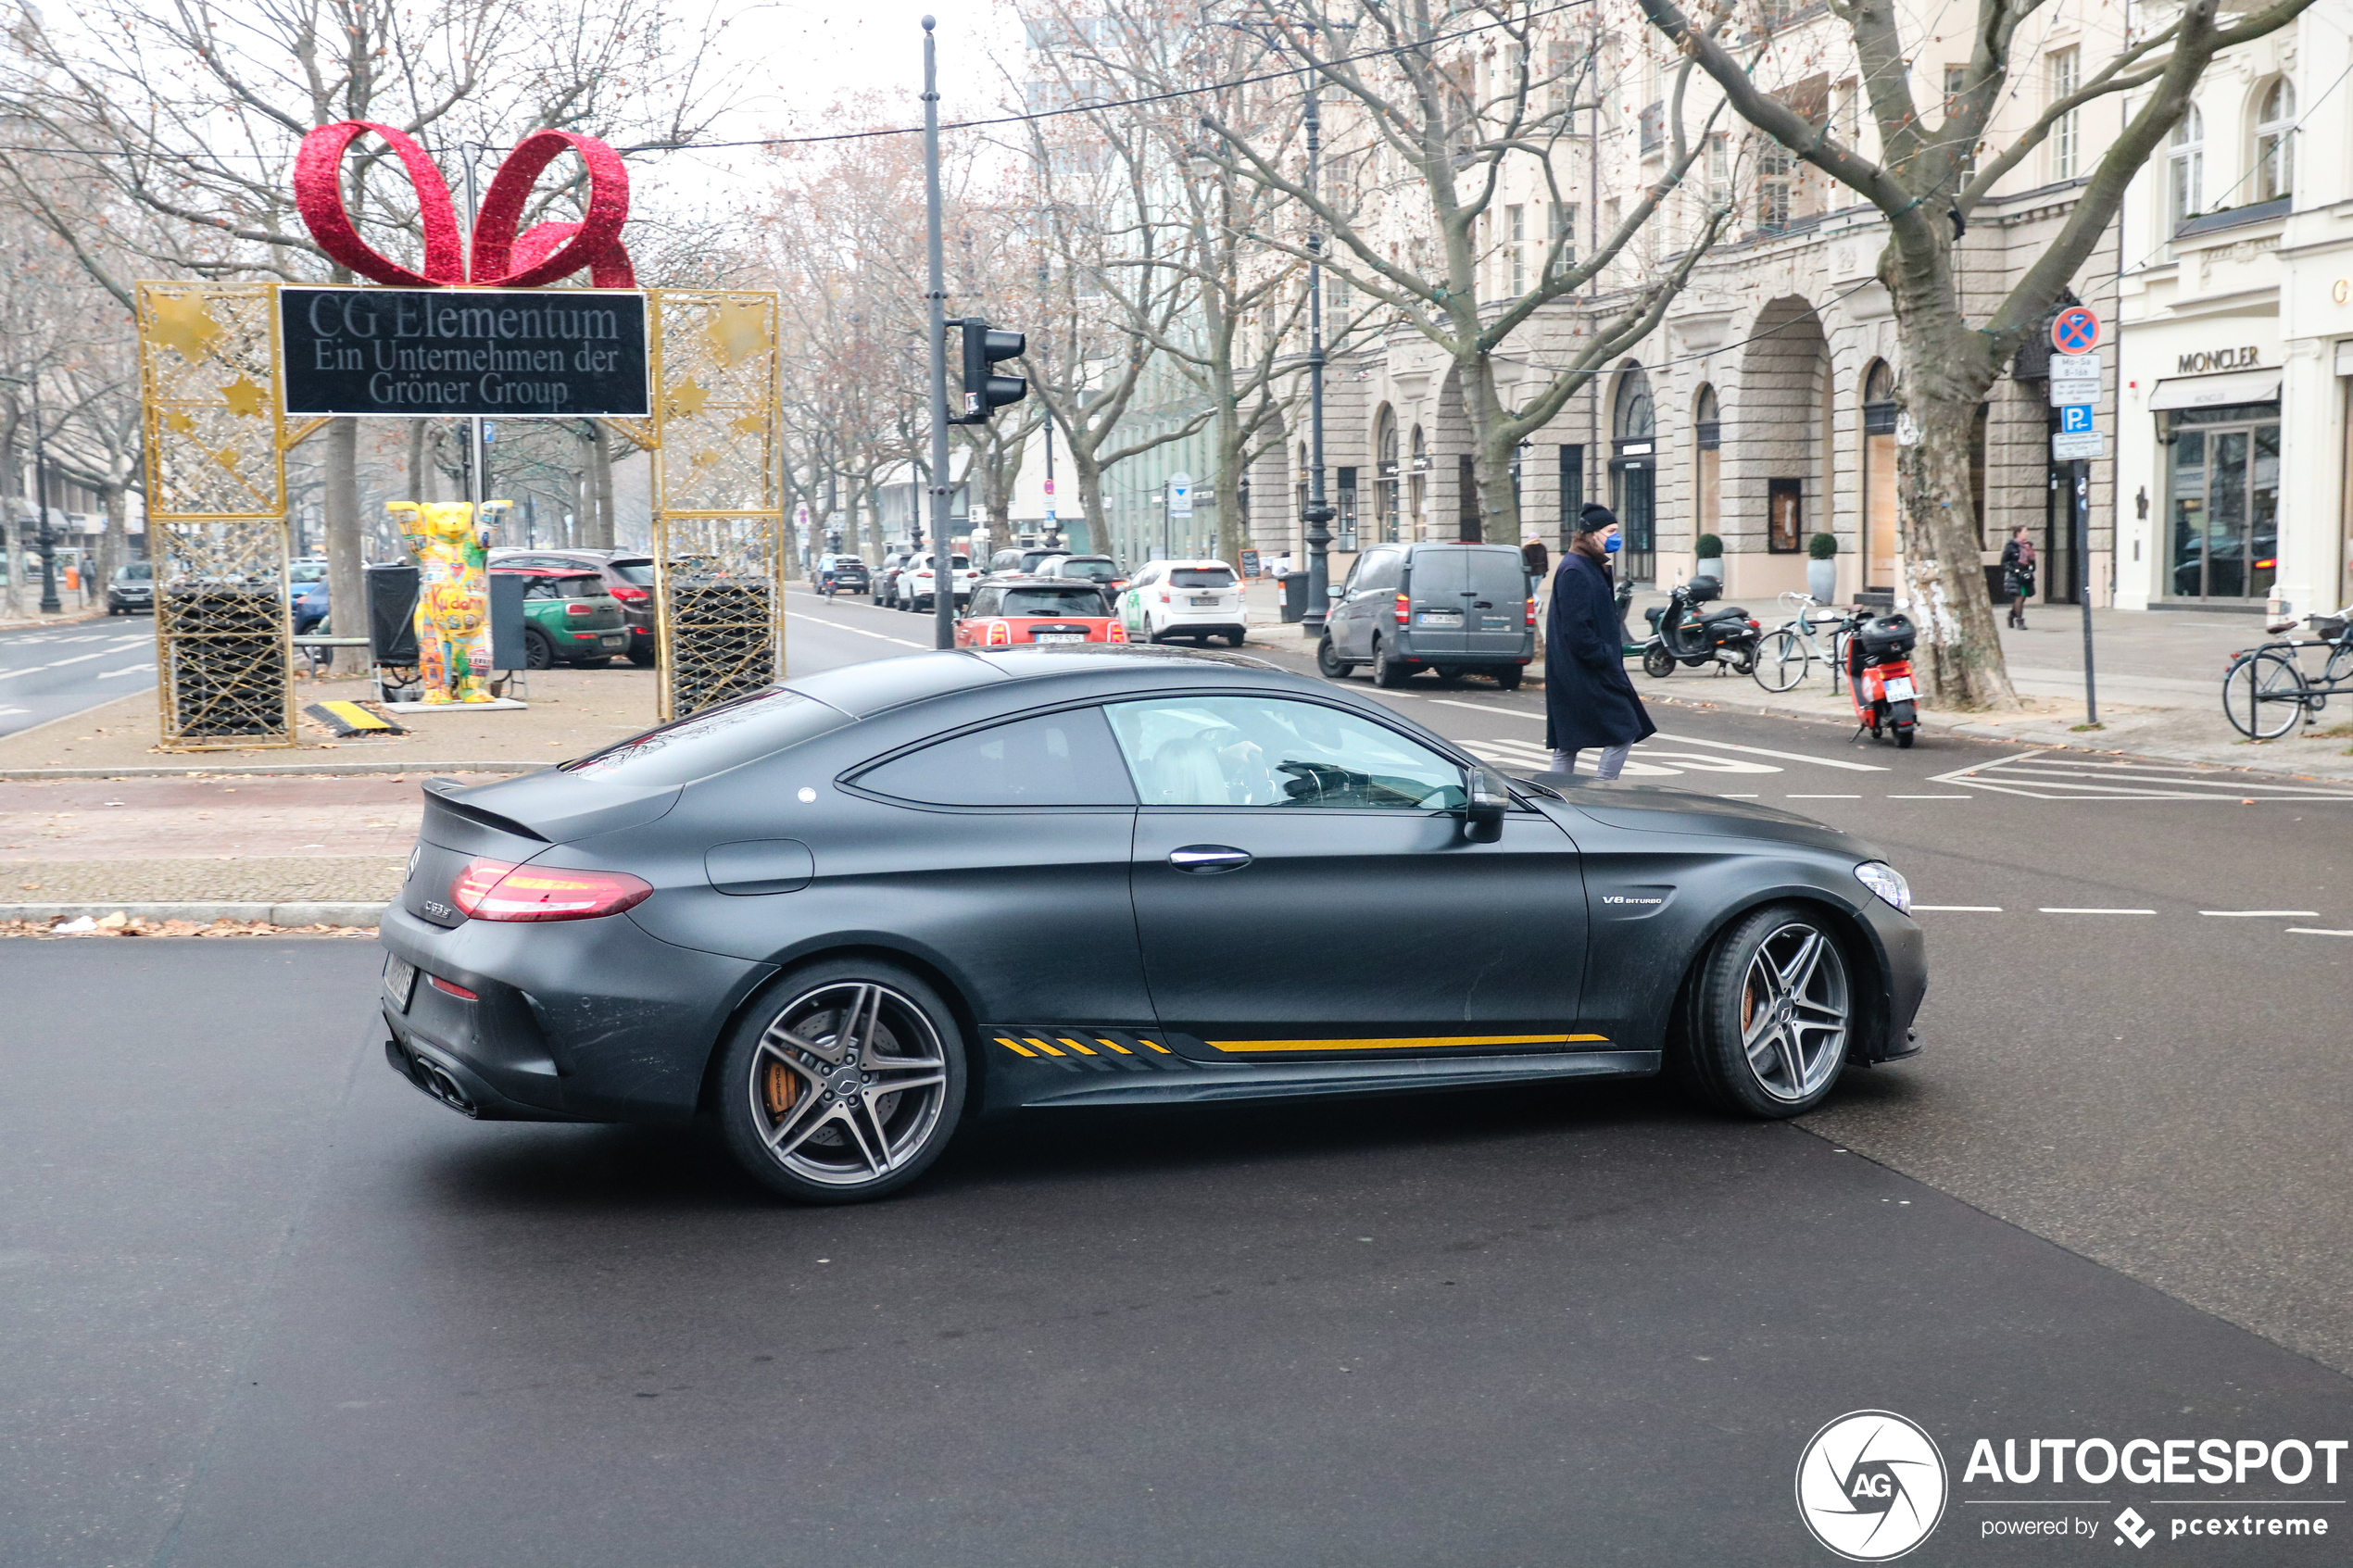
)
(839, 916)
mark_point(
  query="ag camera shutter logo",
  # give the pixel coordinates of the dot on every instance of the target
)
(1870, 1485)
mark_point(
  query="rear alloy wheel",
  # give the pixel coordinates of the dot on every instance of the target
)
(1657, 662)
(1508, 677)
(846, 1089)
(1328, 664)
(1389, 673)
(538, 653)
(1768, 1016)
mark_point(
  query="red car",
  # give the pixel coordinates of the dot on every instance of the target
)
(1007, 612)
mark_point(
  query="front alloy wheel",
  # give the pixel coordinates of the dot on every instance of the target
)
(847, 1090)
(1768, 1016)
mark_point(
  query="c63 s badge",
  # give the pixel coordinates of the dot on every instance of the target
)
(1870, 1485)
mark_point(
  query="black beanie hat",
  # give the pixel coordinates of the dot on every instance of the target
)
(1594, 518)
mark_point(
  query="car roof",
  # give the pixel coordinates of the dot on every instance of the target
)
(1086, 669)
(546, 571)
(1191, 565)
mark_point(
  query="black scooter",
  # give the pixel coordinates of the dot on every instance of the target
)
(1682, 632)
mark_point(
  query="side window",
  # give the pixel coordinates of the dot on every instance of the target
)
(539, 588)
(1382, 570)
(1271, 751)
(1055, 759)
(986, 601)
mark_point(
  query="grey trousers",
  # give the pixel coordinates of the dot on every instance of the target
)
(1613, 758)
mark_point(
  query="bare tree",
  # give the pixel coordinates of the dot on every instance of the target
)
(1438, 110)
(1927, 178)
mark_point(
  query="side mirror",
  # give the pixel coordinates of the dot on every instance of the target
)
(1337, 591)
(1485, 800)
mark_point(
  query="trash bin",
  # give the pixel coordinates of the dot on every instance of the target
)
(1294, 597)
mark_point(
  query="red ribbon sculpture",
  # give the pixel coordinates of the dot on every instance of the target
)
(500, 258)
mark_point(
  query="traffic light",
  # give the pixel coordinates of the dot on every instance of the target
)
(984, 393)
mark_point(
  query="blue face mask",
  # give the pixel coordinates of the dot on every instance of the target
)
(1613, 543)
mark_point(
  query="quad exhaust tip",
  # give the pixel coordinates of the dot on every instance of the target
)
(432, 1078)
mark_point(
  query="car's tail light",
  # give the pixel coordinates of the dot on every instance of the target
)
(451, 986)
(580, 609)
(1163, 596)
(1403, 615)
(627, 591)
(1115, 633)
(999, 634)
(489, 889)
(1118, 583)
(1532, 610)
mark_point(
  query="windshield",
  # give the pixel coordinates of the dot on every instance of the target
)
(1201, 577)
(1093, 570)
(640, 573)
(306, 571)
(137, 571)
(1053, 601)
(712, 741)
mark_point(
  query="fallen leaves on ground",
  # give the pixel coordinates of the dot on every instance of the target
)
(120, 925)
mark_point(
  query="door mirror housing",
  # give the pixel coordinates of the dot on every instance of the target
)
(1485, 801)
(1336, 591)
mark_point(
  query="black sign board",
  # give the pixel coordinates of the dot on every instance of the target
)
(511, 353)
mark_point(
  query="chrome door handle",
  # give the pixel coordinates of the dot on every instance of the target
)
(1204, 859)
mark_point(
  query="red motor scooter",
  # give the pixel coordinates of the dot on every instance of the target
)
(1878, 676)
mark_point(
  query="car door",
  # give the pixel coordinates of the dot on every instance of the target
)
(1438, 589)
(1302, 884)
(1495, 605)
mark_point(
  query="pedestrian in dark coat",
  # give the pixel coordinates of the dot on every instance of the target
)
(1589, 701)
(2018, 575)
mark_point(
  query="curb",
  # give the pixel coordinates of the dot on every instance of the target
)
(271, 769)
(269, 914)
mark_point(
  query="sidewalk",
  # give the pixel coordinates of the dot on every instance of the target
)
(2159, 675)
(94, 821)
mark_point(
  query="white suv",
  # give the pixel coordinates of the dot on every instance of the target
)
(1199, 599)
(913, 590)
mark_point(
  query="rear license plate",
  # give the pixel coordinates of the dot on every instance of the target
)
(400, 979)
(1061, 636)
(618, 640)
(1439, 618)
(1204, 601)
(1902, 690)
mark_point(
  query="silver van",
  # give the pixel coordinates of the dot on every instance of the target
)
(1455, 609)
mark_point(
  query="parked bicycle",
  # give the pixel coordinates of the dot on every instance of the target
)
(2265, 690)
(1788, 655)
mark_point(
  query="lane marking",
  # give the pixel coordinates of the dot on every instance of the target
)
(60, 664)
(853, 630)
(1685, 740)
(2260, 914)
(126, 670)
(1822, 797)
(1932, 798)
(2315, 931)
(1958, 908)
(2052, 910)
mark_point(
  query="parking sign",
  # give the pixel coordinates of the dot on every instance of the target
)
(2075, 418)
(2075, 330)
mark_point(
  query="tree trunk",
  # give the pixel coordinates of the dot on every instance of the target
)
(347, 583)
(114, 546)
(416, 463)
(600, 521)
(1490, 455)
(11, 536)
(1943, 584)
(1233, 529)
(1091, 502)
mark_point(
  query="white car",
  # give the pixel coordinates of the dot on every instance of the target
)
(1199, 599)
(914, 590)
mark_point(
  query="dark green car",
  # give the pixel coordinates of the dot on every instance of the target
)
(569, 617)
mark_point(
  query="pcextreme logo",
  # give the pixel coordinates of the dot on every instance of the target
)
(1870, 1485)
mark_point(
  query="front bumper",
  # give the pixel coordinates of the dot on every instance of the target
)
(575, 1021)
(1903, 954)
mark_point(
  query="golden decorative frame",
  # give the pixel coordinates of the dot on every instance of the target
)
(213, 399)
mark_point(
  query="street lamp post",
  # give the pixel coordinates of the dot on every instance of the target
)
(46, 537)
(1318, 515)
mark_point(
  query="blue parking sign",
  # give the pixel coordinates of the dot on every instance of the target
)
(2075, 418)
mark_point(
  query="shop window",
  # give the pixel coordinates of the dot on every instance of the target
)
(1784, 516)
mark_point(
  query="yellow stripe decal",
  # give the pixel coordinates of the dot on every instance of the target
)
(1113, 1044)
(1016, 1048)
(1157, 1046)
(1408, 1042)
(1041, 1045)
(1074, 1044)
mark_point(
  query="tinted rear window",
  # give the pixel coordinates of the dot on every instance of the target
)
(1093, 570)
(1055, 759)
(1050, 601)
(580, 587)
(641, 572)
(1201, 577)
(712, 742)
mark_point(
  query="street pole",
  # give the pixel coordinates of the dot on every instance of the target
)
(2079, 508)
(943, 573)
(477, 482)
(1318, 515)
(1053, 529)
(46, 537)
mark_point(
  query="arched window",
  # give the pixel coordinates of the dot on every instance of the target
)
(2274, 149)
(1418, 485)
(1635, 419)
(2186, 174)
(1707, 456)
(1634, 471)
(1385, 474)
(1879, 536)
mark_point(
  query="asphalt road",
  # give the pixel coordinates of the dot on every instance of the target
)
(262, 1303)
(49, 672)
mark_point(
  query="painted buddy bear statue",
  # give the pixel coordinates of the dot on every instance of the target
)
(453, 595)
